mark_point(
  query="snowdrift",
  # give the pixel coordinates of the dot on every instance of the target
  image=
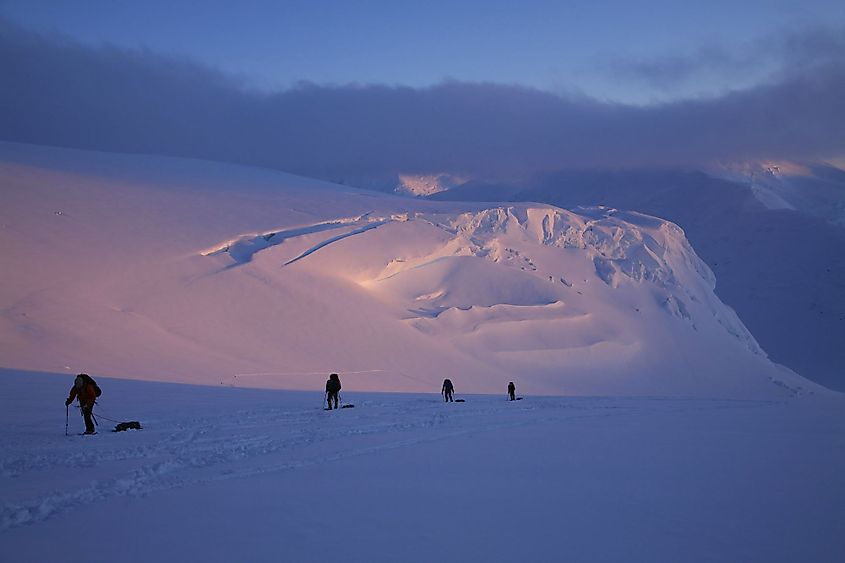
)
(190, 271)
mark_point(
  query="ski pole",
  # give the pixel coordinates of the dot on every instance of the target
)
(67, 408)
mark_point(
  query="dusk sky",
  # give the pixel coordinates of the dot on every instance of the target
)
(611, 70)
(551, 45)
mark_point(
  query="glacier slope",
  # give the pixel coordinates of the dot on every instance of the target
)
(190, 271)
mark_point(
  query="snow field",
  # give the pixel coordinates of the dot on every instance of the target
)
(223, 474)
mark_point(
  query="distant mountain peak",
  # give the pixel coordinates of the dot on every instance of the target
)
(421, 185)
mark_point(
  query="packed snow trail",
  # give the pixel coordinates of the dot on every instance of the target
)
(245, 474)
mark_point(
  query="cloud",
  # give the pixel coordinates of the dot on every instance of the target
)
(672, 72)
(774, 57)
(62, 93)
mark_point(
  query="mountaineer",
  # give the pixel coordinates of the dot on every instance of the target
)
(332, 390)
(447, 390)
(86, 391)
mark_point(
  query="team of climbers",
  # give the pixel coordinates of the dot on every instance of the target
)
(85, 390)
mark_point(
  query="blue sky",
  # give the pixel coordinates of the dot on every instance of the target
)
(598, 49)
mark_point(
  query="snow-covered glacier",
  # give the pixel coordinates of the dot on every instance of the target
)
(215, 277)
(180, 270)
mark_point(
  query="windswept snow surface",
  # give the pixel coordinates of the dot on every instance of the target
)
(222, 474)
(190, 271)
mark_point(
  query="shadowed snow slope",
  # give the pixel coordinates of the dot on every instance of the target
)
(191, 271)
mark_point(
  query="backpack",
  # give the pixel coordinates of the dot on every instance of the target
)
(90, 381)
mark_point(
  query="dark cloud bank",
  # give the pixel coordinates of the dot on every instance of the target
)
(63, 93)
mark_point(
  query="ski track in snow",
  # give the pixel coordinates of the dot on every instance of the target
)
(252, 442)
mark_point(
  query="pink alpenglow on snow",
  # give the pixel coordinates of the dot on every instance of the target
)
(218, 277)
(181, 270)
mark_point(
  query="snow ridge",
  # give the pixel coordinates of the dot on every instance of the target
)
(623, 248)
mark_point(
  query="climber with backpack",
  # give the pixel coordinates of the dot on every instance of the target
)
(332, 390)
(447, 390)
(86, 391)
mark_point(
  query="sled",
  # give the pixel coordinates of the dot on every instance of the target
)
(131, 425)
